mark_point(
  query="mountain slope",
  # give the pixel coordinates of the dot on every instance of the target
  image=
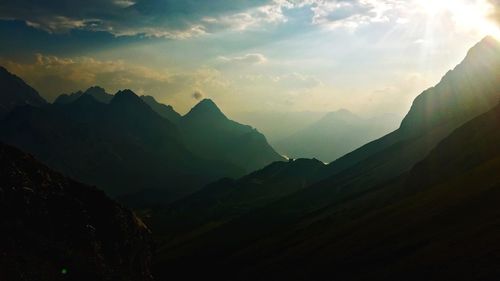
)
(463, 93)
(437, 222)
(211, 134)
(227, 199)
(14, 92)
(53, 228)
(336, 134)
(165, 111)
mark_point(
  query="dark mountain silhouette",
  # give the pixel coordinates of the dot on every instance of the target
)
(54, 228)
(96, 92)
(165, 111)
(207, 132)
(211, 134)
(123, 146)
(15, 92)
(265, 235)
(334, 135)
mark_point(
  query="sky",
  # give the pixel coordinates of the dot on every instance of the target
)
(369, 56)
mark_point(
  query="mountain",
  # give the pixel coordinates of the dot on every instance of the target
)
(209, 133)
(54, 228)
(127, 144)
(277, 125)
(165, 111)
(15, 92)
(268, 241)
(96, 92)
(123, 146)
(227, 199)
(467, 91)
(334, 135)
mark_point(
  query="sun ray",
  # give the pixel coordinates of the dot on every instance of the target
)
(469, 15)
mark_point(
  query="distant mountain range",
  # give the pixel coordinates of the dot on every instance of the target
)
(335, 135)
(128, 144)
(402, 207)
(54, 228)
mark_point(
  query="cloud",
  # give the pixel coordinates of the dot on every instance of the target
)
(52, 76)
(155, 18)
(246, 59)
(198, 95)
(188, 18)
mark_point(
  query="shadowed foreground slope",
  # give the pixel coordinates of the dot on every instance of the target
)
(53, 228)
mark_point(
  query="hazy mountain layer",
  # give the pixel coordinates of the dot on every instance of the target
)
(53, 228)
(278, 125)
(335, 135)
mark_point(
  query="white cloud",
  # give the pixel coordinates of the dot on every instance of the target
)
(254, 58)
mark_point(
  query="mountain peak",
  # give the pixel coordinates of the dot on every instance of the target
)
(126, 96)
(95, 90)
(127, 99)
(340, 114)
(207, 103)
(206, 108)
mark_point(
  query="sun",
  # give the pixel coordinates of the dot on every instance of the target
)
(473, 15)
